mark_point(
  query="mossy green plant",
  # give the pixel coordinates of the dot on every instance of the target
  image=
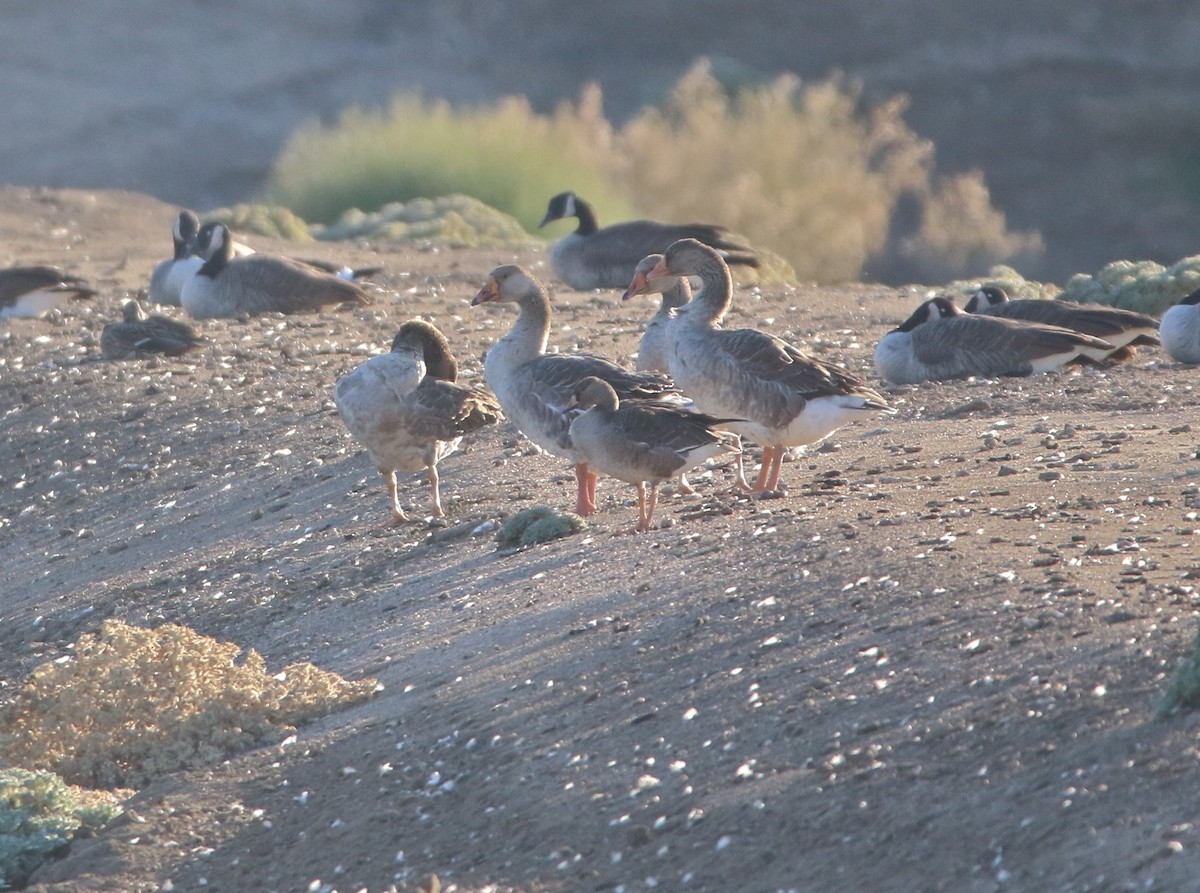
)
(539, 524)
(263, 220)
(1143, 286)
(40, 814)
(1184, 691)
(456, 221)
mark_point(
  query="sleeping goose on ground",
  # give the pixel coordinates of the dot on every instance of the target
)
(406, 409)
(653, 348)
(226, 286)
(29, 292)
(1180, 329)
(787, 397)
(940, 342)
(1123, 329)
(141, 335)
(592, 257)
(534, 387)
(642, 442)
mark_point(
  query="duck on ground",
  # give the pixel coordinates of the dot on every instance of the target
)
(408, 410)
(139, 334)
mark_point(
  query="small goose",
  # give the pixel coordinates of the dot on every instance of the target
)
(653, 349)
(940, 342)
(787, 397)
(138, 335)
(226, 286)
(1180, 329)
(592, 257)
(534, 387)
(1121, 328)
(642, 442)
(168, 277)
(29, 292)
(407, 410)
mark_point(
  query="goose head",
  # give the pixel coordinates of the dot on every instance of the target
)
(424, 339)
(1193, 299)
(562, 205)
(931, 310)
(593, 393)
(508, 283)
(988, 296)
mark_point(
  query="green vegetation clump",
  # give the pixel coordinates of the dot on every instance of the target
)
(807, 172)
(1014, 284)
(539, 524)
(1184, 691)
(457, 221)
(1143, 286)
(133, 703)
(264, 220)
(39, 816)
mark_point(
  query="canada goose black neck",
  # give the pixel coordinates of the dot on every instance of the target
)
(587, 218)
(935, 308)
(1192, 299)
(221, 255)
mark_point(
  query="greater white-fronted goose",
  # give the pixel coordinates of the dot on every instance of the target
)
(653, 349)
(534, 387)
(226, 286)
(594, 257)
(407, 410)
(642, 442)
(168, 277)
(1124, 329)
(140, 335)
(1180, 329)
(940, 342)
(787, 397)
(29, 292)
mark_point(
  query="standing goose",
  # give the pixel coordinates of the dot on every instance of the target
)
(138, 335)
(168, 277)
(788, 398)
(1123, 329)
(534, 387)
(407, 410)
(226, 286)
(28, 292)
(642, 442)
(1180, 329)
(592, 257)
(940, 342)
(653, 349)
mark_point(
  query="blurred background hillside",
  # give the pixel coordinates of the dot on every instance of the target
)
(1083, 119)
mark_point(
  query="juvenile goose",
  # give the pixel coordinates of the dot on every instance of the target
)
(534, 387)
(1180, 329)
(642, 442)
(1121, 328)
(138, 334)
(226, 286)
(941, 342)
(168, 277)
(28, 292)
(592, 257)
(787, 397)
(653, 348)
(407, 410)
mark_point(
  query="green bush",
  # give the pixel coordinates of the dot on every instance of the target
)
(1184, 691)
(1143, 286)
(39, 816)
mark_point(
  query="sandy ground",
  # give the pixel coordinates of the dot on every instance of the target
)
(932, 664)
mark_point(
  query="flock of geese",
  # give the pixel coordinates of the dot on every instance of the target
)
(698, 388)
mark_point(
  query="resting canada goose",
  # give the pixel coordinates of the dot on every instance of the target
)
(226, 286)
(1121, 328)
(653, 348)
(138, 335)
(788, 398)
(168, 277)
(642, 442)
(203, 247)
(592, 257)
(28, 292)
(1180, 329)
(941, 342)
(534, 387)
(407, 410)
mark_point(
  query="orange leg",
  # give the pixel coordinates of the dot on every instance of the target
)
(398, 516)
(684, 487)
(437, 495)
(649, 514)
(764, 472)
(585, 500)
(776, 466)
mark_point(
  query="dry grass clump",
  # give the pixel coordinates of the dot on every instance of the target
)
(458, 221)
(507, 156)
(264, 220)
(539, 524)
(40, 814)
(1143, 286)
(133, 703)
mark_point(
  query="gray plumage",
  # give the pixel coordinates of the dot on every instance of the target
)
(27, 292)
(654, 348)
(595, 257)
(228, 286)
(166, 282)
(406, 408)
(939, 341)
(139, 334)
